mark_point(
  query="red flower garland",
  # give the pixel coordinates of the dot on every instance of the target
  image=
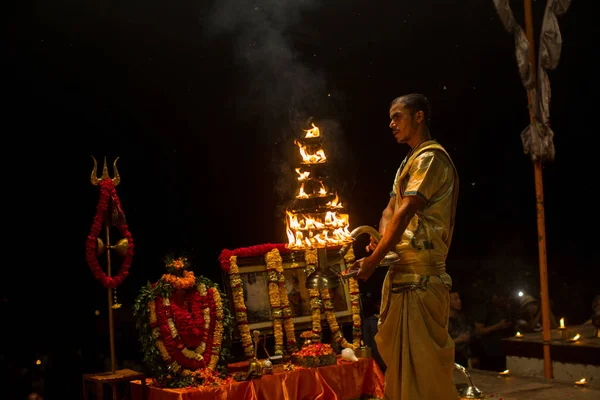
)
(107, 192)
(252, 251)
(188, 323)
(173, 345)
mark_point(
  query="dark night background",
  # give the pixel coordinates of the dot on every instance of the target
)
(202, 101)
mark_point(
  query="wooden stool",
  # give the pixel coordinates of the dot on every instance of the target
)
(121, 375)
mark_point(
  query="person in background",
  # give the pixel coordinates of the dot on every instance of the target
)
(370, 294)
(595, 309)
(493, 322)
(530, 316)
(461, 330)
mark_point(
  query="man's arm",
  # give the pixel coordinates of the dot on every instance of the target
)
(482, 330)
(387, 214)
(393, 231)
(386, 217)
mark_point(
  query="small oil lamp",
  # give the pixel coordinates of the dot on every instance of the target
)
(519, 335)
(574, 338)
(505, 373)
(582, 382)
(564, 332)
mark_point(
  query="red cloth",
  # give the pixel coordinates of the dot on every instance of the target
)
(343, 381)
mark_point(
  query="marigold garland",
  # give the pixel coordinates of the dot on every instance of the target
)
(108, 193)
(288, 322)
(354, 302)
(311, 259)
(280, 303)
(280, 307)
(240, 307)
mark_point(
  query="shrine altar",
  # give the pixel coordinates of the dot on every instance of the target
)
(345, 380)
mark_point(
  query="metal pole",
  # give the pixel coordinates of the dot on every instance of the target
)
(111, 328)
(541, 222)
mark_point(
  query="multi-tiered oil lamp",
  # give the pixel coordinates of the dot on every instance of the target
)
(316, 218)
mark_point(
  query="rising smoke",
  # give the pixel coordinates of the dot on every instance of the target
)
(279, 86)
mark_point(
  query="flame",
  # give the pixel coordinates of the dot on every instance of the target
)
(582, 381)
(335, 203)
(317, 230)
(301, 193)
(518, 334)
(317, 157)
(576, 337)
(302, 175)
(312, 133)
(322, 190)
(505, 372)
(562, 322)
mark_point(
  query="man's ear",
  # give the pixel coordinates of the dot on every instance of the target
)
(420, 116)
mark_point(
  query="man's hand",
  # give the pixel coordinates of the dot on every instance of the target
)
(463, 337)
(364, 269)
(503, 324)
(371, 246)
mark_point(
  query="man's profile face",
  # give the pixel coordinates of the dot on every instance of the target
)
(402, 123)
(455, 301)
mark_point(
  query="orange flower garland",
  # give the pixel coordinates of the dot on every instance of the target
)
(180, 282)
(311, 258)
(354, 302)
(240, 307)
(275, 264)
(271, 259)
(218, 333)
(338, 336)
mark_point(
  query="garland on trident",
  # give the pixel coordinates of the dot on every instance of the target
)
(109, 201)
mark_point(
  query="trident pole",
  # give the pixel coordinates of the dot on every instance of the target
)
(539, 203)
(111, 318)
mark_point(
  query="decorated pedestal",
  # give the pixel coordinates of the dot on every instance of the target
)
(182, 322)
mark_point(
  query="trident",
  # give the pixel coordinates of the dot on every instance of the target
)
(94, 178)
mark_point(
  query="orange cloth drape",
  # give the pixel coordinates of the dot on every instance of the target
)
(343, 381)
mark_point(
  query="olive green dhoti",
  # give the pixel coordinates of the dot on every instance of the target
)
(413, 337)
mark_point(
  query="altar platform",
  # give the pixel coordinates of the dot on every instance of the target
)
(344, 381)
(571, 360)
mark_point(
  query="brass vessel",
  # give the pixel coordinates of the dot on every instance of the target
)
(363, 352)
(470, 391)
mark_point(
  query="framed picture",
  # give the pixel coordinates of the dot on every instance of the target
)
(255, 286)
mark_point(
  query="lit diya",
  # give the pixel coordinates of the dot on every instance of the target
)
(574, 338)
(564, 332)
(504, 373)
(519, 335)
(581, 382)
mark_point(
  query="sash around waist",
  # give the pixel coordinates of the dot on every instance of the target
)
(401, 269)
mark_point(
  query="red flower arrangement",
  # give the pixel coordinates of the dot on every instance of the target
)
(188, 322)
(108, 194)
